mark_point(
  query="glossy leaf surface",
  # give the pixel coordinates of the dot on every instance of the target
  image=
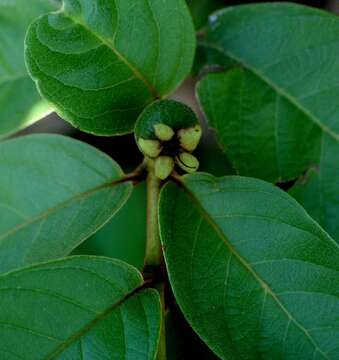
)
(101, 62)
(55, 193)
(20, 102)
(78, 308)
(276, 112)
(254, 275)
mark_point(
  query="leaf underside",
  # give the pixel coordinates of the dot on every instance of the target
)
(254, 275)
(275, 109)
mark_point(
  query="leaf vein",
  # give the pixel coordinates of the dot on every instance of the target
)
(265, 286)
(279, 90)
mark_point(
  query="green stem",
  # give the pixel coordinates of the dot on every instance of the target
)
(153, 256)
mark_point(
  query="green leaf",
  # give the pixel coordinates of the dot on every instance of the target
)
(277, 109)
(276, 113)
(55, 193)
(261, 137)
(101, 62)
(78, 308)
(255, 276)
(20, 102)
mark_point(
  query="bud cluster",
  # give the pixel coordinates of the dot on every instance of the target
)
(172, 148)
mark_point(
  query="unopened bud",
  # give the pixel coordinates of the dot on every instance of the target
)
(151, 148)
(163, 132)
(163, 167)
(189, 138)
(187, 162)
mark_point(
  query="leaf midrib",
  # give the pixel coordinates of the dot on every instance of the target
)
(276, 88)
(90, 325)
(266, 288)
(120, 56)
(60, 206)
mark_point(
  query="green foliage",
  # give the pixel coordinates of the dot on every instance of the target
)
(20, 103)
(78, 308)
(255, 276)
(279, 85)
(58, 193)
(276, 111)
(101, 62)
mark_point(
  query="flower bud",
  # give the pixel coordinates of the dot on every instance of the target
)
(163, 132)
(189, 138)
(187, 162)
(151, 148)
(163, 167)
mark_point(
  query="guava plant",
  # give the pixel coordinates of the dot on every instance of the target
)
(251, 259)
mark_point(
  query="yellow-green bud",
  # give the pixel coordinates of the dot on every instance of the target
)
(163, 132)
(163, 167)
(151, 148)
(187, 162)
(189, 138)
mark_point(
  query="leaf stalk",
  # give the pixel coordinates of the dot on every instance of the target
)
(154, 256)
